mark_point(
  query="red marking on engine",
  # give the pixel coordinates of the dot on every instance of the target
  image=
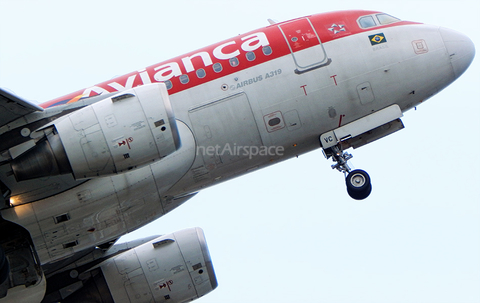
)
(166, 284)
(126, 142)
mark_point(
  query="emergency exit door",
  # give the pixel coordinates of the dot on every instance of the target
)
(304, 44)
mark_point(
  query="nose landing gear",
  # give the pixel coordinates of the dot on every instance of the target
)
(358, 181)
(358, 184)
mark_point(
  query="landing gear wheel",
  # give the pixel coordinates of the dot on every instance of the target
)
(358, 183)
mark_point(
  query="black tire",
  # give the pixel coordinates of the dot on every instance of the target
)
(358, 184)
(360, 195)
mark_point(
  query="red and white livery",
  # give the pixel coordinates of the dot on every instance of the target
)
(82, 170)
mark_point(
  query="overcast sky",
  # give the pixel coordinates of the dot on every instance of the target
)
(289, 233)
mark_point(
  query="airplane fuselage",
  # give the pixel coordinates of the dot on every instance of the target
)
(240, 105)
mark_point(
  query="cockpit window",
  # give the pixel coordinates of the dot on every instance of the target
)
(366, 22)
(386, 19)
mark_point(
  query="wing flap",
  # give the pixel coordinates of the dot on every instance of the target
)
(13, 107)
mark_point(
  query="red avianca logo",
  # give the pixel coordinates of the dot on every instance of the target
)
(208, 64)
(185, 65)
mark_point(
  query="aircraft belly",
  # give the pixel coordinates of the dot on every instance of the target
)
(103, 209)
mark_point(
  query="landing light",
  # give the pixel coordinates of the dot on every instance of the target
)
(13, 202)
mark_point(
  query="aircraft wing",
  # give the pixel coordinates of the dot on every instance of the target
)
(13, 107)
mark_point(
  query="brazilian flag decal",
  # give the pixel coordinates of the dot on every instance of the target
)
(377, 39)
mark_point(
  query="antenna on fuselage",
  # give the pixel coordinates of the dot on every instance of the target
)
(271, 21)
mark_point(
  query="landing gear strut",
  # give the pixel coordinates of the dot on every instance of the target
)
(358, 182)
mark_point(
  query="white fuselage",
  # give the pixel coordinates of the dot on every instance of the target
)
(234, 111)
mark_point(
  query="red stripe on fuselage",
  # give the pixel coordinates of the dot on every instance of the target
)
(328, 27)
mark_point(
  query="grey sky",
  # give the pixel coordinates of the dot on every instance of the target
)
(289, 233)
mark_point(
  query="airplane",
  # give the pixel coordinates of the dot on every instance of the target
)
(80, 171)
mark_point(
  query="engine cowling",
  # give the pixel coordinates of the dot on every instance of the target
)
(172, 268)
(122, 132)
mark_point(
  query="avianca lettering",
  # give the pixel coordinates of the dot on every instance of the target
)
(187, 61)
(167, 71)
(190, 63)
(128, 84)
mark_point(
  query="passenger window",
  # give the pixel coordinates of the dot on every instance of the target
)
(274, 121)
(217, 67)
(184, 79)
(250, 56)
(386, 19)
(267, 50)
(168, 84)
(366, 22)
(234, 62)
(201, 73)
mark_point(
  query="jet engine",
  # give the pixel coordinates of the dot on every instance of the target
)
(119, 133)
(172, 268)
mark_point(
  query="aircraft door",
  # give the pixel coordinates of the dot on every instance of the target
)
(224, 129)
(304, 44)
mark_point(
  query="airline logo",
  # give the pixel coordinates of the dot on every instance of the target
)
(337, 28)
(224, 51)
(185, 65)
(227, 57)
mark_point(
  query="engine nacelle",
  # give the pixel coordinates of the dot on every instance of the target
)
(119, 133)
(172, 268)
